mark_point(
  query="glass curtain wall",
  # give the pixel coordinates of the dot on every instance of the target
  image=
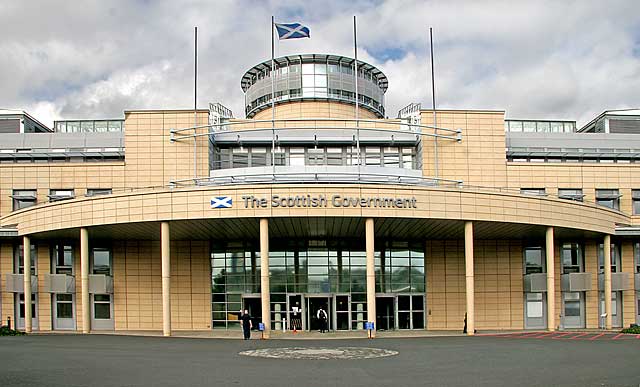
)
(313, 267)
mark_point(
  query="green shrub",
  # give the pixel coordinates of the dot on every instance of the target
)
(5, 331)
(633, 330)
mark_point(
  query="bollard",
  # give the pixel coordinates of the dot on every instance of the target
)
(9, 322)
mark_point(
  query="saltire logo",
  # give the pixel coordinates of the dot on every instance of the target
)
(221, 202)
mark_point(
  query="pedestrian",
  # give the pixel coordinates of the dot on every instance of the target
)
(245, 320)
(322, 317)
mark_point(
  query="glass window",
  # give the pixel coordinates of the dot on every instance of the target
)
(533, 191)
(615, 257)
(635, 196)
(102, 306)
(63, 258)
(240, 158)
(307, 68)
(572, 304)
(334, 156)
(534, 305)
(571, 194)
(61, 194)
(608, 198)
(636, 254)
(101, 260)
(259, 157)
(23, 198)
(529, 126)
(372, 156)
(572, 261)
(391, 157)
(64, 305)
(98, 191)
(296, 157)
(19, 254)
(534, 260)
(315, 156)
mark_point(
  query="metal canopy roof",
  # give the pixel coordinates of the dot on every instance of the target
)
(245, 82)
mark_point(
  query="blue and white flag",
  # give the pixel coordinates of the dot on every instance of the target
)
(221, 202)
(292, 31)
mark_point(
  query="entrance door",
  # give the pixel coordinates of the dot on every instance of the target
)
(63, 304)
(616, 309)
(385, 313)
(573, 309)
(254, 306)
(535, 316)
(342, 314)
(295, 312)
(19, 303)
(64, 311)
(313, 306)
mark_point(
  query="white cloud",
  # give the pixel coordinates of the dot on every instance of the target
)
(548, 59)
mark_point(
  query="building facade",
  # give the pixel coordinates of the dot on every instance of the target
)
(177, 220)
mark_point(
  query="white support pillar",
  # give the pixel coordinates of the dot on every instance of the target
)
(265, 294)
(469, 276)
(26, 264)
(607, 281)
(551, 291)
(84, 278)
(165, 251)
(371, 273)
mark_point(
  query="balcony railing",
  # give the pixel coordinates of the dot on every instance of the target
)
(619, 281)
(59, 283)
(576, 282)
(535, 283)
(14, 283)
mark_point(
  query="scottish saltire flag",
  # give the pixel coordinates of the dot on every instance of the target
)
(292, 31)
(221, 202)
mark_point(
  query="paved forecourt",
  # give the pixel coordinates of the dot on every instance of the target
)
(108, 360)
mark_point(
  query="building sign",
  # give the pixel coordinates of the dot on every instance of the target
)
(320, 201)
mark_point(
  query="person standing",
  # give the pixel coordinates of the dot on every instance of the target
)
(245, 320)
(322, 317)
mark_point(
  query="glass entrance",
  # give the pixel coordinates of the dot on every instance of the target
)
(385, 313)
(296, 316)
(616, 310)
(342, 312)
(314, 304)
(253, 304)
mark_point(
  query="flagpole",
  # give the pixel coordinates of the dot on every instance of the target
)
(195, 103)
(273, 100)
(355, 77)
(433, 105)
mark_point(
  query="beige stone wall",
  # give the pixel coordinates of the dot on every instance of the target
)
(193, 203)
(152, 159)
(479, 160)
(138, 285)
(499, 297)
(314, 109)
(6, 267)
(43, 177)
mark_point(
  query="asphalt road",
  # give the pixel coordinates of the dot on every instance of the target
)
(103, 360)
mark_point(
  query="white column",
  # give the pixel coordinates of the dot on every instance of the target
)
(469, 276)
(84, 278)
(551, 291)
(265, 294)
(165, 251)
(26, 263)
(371, 273)
(607, 281)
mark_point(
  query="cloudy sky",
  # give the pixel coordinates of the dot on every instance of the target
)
(534, 59)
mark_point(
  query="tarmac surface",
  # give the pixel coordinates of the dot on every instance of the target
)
(114, 360)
